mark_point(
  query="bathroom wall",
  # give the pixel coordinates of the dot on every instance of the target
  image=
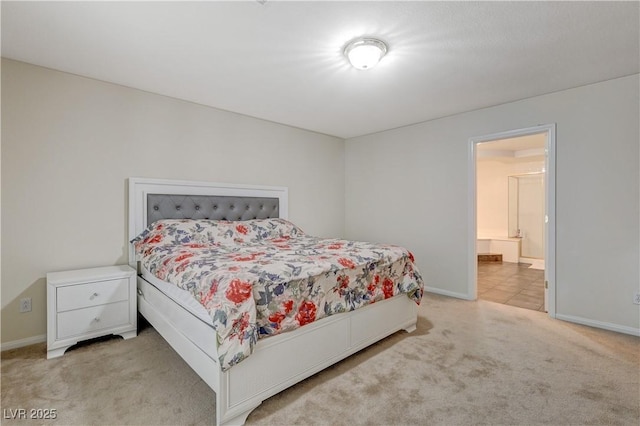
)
(493, 193)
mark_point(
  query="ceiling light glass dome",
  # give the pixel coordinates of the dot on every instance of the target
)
(365, 53)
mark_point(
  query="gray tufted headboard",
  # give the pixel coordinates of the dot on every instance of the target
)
(154, 199)
(216, 207)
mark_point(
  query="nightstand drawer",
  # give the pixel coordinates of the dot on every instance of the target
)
(91, 294)
(87, 320)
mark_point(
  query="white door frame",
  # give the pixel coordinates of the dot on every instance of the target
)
(550, 207)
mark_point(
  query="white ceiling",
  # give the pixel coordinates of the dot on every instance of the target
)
(518, 149)
(282, 61)
(520, 143)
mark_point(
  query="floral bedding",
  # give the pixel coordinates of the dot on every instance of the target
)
(262, 277)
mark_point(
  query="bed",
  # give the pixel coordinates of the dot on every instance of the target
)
(241, 383)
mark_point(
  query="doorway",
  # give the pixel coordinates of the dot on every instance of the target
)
(512, 217)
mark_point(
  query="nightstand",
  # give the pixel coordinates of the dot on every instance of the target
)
(89, 303)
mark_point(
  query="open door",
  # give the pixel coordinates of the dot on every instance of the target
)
(531, 217)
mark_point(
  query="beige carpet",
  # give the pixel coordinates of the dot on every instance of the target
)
(467, 363)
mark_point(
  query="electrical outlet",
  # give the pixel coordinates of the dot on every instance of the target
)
(636, 298)
(25, 305)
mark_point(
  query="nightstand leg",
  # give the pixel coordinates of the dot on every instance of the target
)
(128, 334)
(58, 352)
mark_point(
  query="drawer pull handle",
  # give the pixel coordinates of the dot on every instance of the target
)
(93, 296)
(96, 319)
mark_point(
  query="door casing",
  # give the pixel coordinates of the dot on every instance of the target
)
(550, 209)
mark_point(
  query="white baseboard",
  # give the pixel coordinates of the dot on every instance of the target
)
(23, 342)
(447, 293)
(599, 324)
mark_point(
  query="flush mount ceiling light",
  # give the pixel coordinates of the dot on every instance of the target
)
(365, 53)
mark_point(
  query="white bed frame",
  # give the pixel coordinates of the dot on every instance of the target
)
(279, 361)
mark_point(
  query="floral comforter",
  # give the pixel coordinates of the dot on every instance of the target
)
(262, 277)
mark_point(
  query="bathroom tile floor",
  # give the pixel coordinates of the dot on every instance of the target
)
(511, 284)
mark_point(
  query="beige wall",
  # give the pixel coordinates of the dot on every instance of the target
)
(410, 186)
(69, 144)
